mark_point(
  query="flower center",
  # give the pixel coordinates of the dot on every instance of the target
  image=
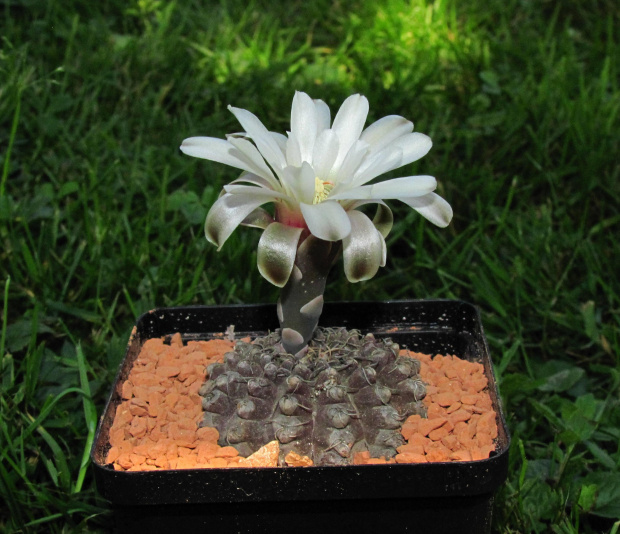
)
(322, 188)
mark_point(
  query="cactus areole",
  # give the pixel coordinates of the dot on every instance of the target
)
(317, 176)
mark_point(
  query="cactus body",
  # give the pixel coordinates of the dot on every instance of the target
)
(346, 393)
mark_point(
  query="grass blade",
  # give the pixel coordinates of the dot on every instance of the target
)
(90, 416)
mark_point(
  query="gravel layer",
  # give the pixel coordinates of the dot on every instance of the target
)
(156, 424)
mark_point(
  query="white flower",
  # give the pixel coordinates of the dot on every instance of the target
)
(317, 176)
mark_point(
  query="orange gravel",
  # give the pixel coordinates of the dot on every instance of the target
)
(156, 423)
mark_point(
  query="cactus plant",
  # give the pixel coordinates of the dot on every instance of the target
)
(347, 393)
(317, 177)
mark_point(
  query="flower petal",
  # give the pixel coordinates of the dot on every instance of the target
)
(300, 182)
(383, 252)
(343, 173)
(431, 207)
(414, 146)
(276, 252)
(382, 132)
(259, 192)
(325, 153)
(306, 184)
(237, 135)
(326, 220)
(362, 249)
(227, 213)
(280, 140)
(304, 124)
(293, 151)
(377, 163)
(265, 142)
(214, 149)
(349, 122)
(323, 116)
(253, 158)
(249, 178)
(383, 219)
(259, 218)
(399, 188)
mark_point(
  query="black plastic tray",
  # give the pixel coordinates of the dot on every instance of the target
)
(432, 497)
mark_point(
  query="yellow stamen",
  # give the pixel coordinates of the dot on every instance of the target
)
(322, 188)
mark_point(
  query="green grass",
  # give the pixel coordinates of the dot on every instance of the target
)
(101, 216)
